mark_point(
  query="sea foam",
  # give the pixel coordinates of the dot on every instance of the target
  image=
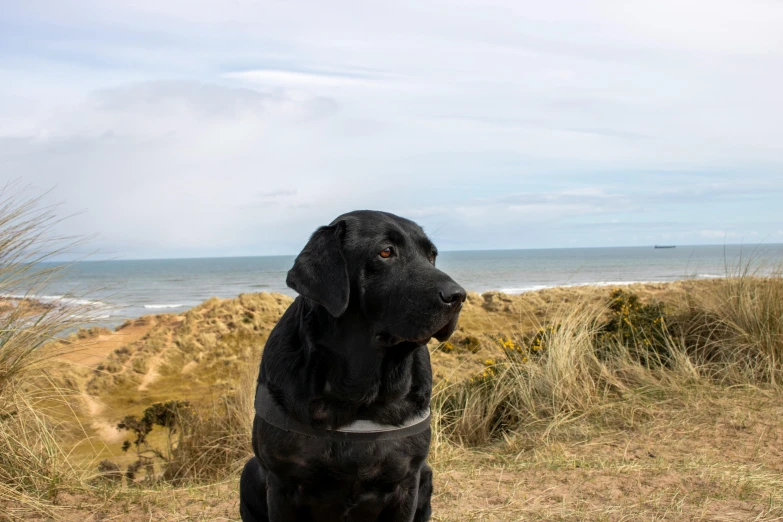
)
(525, 289)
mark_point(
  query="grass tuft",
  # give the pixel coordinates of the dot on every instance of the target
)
(34, 466)
(736, 326)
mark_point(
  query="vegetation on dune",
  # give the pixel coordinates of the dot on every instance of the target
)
(591, 355)
(579, 385)
(200, 445)
(735, 325)
(212, 344)
(26, 326)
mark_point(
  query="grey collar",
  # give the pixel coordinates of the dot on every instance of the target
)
(271, 413)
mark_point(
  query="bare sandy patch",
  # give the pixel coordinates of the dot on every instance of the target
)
(152, 374)
(92, 351)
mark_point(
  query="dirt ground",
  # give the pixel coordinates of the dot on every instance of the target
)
(715, 455)
(714, 459)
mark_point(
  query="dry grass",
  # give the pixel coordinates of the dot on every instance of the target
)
(26, 325)
(736, 325)
(33, 462)
(541, 410)
(217, 441)
(35, 468)
(727, 332)
(711, 454)
(568, 373)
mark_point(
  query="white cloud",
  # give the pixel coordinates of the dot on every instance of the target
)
(297, 79)
(214, 127)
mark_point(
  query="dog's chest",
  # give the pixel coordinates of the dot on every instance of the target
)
(367, 386)
(395, 379)
(346, 468)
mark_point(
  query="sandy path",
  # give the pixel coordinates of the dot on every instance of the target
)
(152, 374)
(105, 430)
(91, 352)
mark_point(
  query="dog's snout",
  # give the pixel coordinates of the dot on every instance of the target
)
(452, 294)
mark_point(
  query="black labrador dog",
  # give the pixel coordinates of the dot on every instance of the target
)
(351, 347)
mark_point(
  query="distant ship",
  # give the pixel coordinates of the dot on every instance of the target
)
(665, 246)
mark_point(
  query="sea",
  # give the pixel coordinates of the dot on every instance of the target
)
(122, 289)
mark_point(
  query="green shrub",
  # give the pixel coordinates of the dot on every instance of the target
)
(641, 328)
(588, 355)
(471, 343)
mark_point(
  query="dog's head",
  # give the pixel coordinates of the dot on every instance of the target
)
(383, 267)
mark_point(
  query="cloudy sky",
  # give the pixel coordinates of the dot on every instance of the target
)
(205, 128)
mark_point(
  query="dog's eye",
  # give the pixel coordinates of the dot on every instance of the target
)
(432, 258)
(386, 253)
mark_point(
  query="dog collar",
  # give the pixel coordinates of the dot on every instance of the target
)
(270, 412)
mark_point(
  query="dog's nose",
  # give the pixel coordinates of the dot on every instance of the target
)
(452, 294)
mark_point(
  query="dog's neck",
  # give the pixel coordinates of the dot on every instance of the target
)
(348, 372)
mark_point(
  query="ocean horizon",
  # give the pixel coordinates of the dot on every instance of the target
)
(123, 289)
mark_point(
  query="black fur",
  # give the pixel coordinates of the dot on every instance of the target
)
(352, 346)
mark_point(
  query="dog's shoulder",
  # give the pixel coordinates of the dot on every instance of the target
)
(282, 345)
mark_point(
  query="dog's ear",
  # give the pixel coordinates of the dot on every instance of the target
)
(320, 272)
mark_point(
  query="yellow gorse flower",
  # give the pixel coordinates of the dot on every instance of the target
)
(446, 347)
